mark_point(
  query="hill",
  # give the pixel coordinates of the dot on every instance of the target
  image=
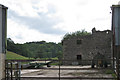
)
(12, 55)
(35, 49)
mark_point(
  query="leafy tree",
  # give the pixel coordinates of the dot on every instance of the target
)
(60, 55)
(77, 33)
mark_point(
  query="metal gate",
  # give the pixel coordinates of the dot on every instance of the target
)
(15, 68)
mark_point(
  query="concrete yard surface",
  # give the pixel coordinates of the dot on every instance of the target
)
(50, 73)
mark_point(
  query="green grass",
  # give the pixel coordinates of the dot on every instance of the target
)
(48, 58)
(12, 55)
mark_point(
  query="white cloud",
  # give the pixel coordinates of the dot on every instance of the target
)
(75, 15)
(21, 34)
(21, 7)
(94, 13)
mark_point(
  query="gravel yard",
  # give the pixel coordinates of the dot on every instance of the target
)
(48, 72)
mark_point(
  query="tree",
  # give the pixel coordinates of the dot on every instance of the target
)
(77, 33)
(39, 49)
(60, 55)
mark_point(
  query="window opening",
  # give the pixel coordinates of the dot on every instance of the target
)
(79, 42)
(79, 57)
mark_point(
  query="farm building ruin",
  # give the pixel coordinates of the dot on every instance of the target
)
(87, 47)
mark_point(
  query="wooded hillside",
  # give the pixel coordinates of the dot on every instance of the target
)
(39, 49)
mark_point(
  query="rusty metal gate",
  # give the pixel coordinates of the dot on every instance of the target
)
(14, 70)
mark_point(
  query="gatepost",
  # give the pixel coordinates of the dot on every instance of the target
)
(3, 33)
(116, 38)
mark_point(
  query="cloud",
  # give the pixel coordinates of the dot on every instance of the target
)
(50, 19)
(42, 24)
(21, 34)
(29, 21)
(77, 16)
(39, 16)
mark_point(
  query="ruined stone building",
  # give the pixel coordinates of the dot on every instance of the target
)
(87, 47)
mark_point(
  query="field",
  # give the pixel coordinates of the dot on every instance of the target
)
(12, 55)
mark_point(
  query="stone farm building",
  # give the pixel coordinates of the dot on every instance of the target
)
(87, 47)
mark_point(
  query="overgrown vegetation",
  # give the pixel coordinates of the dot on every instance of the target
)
(77, 33)
(110, 72)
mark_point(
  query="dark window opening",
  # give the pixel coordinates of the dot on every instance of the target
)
(79, 57)
(62, 43)
(79, 41)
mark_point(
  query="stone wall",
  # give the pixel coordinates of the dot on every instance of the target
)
(98, 41)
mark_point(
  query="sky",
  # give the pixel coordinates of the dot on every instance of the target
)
(50, 20)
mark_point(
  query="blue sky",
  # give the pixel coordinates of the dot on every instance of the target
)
(49, 20)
